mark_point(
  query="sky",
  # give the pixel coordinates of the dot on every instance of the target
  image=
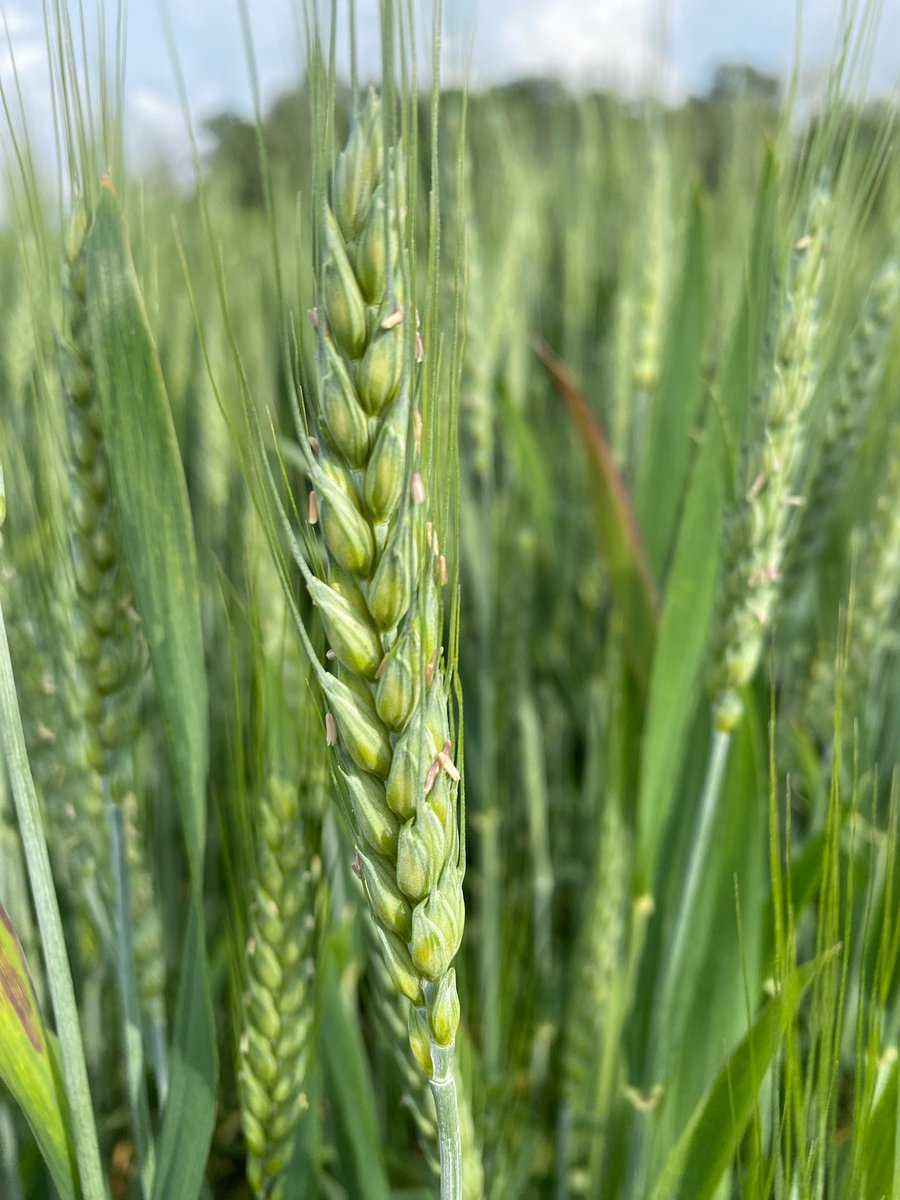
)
(670, 45)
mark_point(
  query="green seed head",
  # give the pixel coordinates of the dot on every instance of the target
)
(115, 664)
(84, 510)
(437, 926)
(348, 534)
(358, 168)
(117, 726)
(363, 736)
(443, 1009)
(258, 1102)
(345, 309)
(348, 589)
(399, 685)
(377, 251)
(728, 710)
(441, 800)
(353, 640)
(103, 615)
(375, 821)
(403, 973)
(429, 946)
(260, 1058)
(266, 1017)
(436, 721)
(360, 690)
(420, 1038)
(413, 754)
(266, 967)
(389, 905)
(386, 472)
(88, 576)
(253, 1125)
(391, 587)
(381, 369)
(103, 547)
(344, 422)
(421, 850)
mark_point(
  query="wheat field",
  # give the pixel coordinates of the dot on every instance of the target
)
(449, 657)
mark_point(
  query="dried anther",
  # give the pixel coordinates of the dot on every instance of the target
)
(442, 762)
(395, 319)
(756, 487)
(446, 762)
(431, 776)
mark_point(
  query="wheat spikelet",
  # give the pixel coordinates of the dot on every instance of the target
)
(758, 526)
(108, 649)
(862, 370)
(597, 965)
(873, 623)
(277, 1022)
(387, 701)
(73, 809)
(655, 280)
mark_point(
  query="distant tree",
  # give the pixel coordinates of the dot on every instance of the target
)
(234, 156)
(733, 80)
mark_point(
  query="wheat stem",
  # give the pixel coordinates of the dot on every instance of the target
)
(59, 977)
(9, 1155)
(128, 992)
(443, 1088)
(676, 945)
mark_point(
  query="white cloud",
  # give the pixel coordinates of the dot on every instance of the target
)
(24, 74)
(27, 57)
(609, 42)
(24, 34)
(15, 20)
(154, 116)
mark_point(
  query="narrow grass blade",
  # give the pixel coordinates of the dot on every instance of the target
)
(623, 547)
(183, 1145)
(690, 591)
(703, 1152)
(665, 467)
(350, 1089)
(151, 495)
(26, 1062)
(59, 976)
(881, 1155)
(152, 501)
(806, 868)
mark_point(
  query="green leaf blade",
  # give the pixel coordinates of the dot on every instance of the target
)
(157, 533)
(152, 504)
(708, 1145)
(27, 1063)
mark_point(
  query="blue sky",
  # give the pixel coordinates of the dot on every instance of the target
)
(624, 43)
